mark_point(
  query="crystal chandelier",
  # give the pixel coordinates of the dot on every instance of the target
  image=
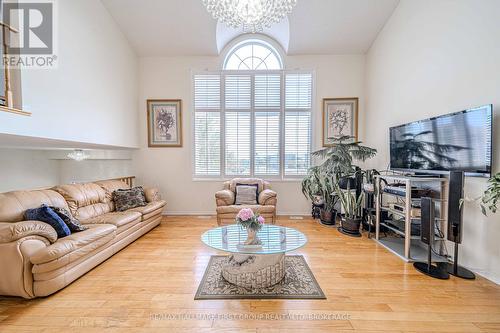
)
(78, 155)
(251, 15)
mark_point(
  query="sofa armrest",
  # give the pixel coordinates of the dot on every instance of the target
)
(152, 194)
(10, 232)
(224, 198)
(18, 242)
(267, 198)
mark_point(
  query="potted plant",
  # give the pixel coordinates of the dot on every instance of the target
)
(337, 165)
(339, 157)
(318, 186)
(491, 196)
(351, 219)
(252, 223)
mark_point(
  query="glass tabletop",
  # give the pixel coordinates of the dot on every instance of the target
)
(275, 239)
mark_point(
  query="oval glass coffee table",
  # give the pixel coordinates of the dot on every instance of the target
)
(254, 266)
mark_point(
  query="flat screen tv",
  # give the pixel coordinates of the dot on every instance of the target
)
(459, 141)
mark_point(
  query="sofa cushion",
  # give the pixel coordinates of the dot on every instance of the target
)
(47, 215)
(73, 224)
(150, 207)
(129, 198)
(109, 186)
(14, 204)
(115, 218)
(74, 242)
(84, 200)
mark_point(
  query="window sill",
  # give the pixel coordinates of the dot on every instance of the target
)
(15, 111)
(271, 180)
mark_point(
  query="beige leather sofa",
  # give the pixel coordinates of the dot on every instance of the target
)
(33, 262)
(225, 199)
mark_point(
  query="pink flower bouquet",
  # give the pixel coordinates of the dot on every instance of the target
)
(248, 220)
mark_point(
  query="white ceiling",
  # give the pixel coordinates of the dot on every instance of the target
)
(184, 27)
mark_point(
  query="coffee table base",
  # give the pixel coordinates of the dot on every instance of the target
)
(254, 271)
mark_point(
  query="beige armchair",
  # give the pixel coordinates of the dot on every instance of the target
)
(225, 199)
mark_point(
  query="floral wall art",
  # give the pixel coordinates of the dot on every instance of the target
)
(340, 118)
(164, 122)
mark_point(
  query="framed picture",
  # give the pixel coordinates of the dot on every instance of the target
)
(164, 122)
(340, 118)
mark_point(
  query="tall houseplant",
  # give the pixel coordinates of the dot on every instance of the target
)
(339, 157)
(351, 221)
(337, 162)
(319, 185)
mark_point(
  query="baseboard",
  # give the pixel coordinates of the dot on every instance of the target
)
(190, 213)
(492, 278)
(212, 213)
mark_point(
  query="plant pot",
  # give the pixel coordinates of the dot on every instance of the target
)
(328, 217)
(351, 226)
(347, 182)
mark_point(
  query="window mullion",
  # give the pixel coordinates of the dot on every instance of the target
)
(252, 125)
(282, 126)
(223, 125)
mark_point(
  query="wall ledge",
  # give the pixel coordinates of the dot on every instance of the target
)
(15, 111)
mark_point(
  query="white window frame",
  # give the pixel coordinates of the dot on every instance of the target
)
(282, 110)
(259, 41)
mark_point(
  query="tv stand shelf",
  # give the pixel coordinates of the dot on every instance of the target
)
(402, 242)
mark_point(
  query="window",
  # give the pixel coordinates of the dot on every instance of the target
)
(253, 55)
(252, 122)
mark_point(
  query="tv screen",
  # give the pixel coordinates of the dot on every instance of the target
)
(458, 141)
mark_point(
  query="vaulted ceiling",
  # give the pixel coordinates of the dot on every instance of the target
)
(184, 27)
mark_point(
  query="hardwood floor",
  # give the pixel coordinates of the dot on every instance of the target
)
(150, 285)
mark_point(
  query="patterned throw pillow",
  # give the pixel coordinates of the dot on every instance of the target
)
(246, 194)
(73, 224)
(47, 215)
(129, 198)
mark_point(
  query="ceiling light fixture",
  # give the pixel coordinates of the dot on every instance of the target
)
(78, 155)
(251, 15)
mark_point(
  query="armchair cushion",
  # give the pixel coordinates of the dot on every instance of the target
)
(246, 181)
(47, 215)
(10, 232)
(246, 194)
(267, 197)
(224, 197)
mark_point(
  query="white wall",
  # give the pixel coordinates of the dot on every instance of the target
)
(26, 169)
(92, 95)
(436, 57)
(91, 170)
(170, 168)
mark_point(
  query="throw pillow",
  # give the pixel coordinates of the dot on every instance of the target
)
(73, 224)
(47, 215)
(246, 194)
(129, 198)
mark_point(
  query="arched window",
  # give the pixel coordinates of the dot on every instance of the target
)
(253, 54)
(252, 118)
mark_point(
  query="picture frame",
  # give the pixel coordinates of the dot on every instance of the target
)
(340, 117)
(164, 118)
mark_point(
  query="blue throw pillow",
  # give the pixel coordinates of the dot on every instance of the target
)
(47, 215)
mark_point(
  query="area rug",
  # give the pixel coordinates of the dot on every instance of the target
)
(298, 283)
